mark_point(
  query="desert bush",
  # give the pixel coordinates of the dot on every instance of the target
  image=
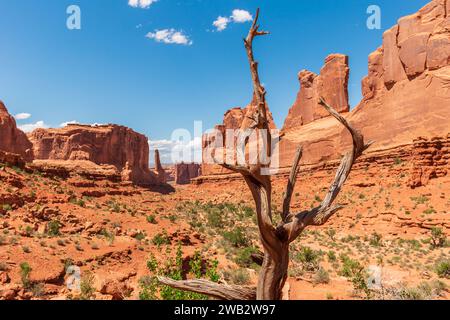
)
(87, 288)
(161, 238)
(7, 207)
(309, 258)
(331, 256)
(331, 233)
(442, 268)
(321, 277)
(151, 219)
(237, 237)
(438, 238)
(238, 276)
(152, 263)
(215, 219)
(77, 202)
(376, 239)
(244, 256)
(356, 274)
(25, 271)
(199, 267)
(53, 228)
(424, 291)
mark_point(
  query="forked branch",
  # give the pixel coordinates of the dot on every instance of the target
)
(321, 214)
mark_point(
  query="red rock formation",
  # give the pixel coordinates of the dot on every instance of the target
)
(236, 118)
(332, 84)
(431, 159)
(406, 93)
(115, 145)
(160, 173)
(185, 172)
(13, 140)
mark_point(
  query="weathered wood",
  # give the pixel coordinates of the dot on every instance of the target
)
(212, 289)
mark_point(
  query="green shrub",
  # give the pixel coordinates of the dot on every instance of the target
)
(215, 219)
(161, 238)
(443, 268)
(152, 263)
(53, 228)
(331, 256)
(87, 288)
(25, 271)
(244, 256)
(321, 277)
(309, 259)
(151, 219)
(7, 207)
(438, 238)
(375, 240)
(237, 237)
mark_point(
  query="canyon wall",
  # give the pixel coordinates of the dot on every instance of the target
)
(13, 140)
(430, 159)
(125, 149)
(405, 95)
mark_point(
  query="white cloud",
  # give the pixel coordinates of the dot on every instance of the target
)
(143, 4)
(221, 23)
(241, 16)
(22, 116)
(178, 151)
(238, 16)
(170, 36)
(65, 124)
(32, 126)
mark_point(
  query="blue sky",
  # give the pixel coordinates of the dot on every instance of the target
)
(114, 70)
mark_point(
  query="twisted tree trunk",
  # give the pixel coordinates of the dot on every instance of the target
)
(276, 239)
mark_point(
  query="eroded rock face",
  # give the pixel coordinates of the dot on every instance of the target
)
(405, 95)
(12, 139)
(114, 145)
(185, 172)
(332, 84)
(236, 119)
(431, 159)
(159, 170)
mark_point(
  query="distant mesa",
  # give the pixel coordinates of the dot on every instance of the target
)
(186, 172)
(121, 147)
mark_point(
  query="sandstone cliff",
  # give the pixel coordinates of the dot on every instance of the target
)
(235, 118)
(332, 84)
(121, 147)
(13, 140)
(406, 93)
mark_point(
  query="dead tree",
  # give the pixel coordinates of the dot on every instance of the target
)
(276, 239)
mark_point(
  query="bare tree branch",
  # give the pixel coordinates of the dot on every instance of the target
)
(291, 184)
(212, 289)
(321, 214)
